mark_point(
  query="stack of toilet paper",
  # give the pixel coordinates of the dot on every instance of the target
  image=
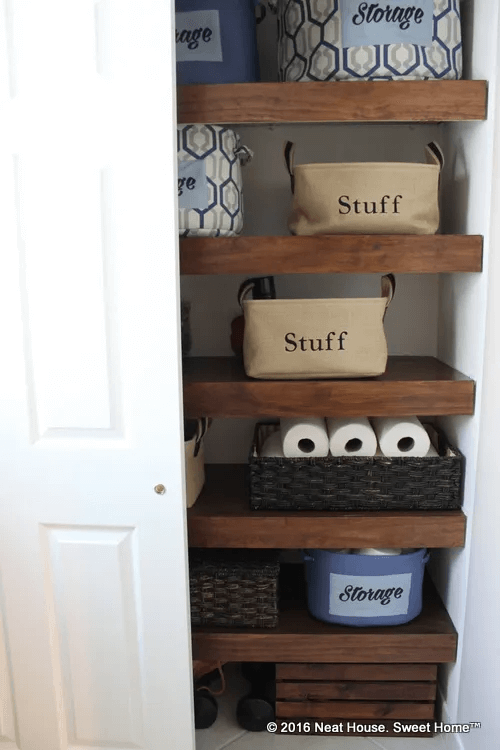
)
(317, 437)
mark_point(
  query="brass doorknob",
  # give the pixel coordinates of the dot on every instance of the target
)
(160, 489)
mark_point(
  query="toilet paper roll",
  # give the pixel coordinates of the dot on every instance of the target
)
(351, 437)
(379, 552)
(401, 436)
(303, 437)
(432, 453)
(272, 447)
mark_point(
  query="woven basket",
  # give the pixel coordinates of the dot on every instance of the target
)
(234, 588)
(355, 483)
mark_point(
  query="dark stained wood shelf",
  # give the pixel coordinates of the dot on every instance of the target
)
(218, 387)
(338, 101)
(418, 710)
(430, 638)
(341, 253)
(222, 517)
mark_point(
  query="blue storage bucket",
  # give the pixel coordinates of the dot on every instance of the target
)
(365, 590)
(216, 41)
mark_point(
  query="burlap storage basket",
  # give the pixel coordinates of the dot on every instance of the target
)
(365, 198)
(194, 458)
(297, 339)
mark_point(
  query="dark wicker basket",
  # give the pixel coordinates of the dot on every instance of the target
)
(354, 483)
(234, 588)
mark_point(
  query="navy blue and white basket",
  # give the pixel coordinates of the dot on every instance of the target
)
(334, 40)
(216, 41)
(210, 186)
(365, 590)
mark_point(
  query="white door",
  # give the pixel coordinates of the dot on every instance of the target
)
(94, 634)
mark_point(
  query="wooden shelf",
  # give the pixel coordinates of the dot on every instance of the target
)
(430, 638)
(218, 387)
(222, 517)
(341, 253)
(339, 101)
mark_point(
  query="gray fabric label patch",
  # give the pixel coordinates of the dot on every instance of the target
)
(369, 596)
(390, 22)
(192, 188)
(197, 36)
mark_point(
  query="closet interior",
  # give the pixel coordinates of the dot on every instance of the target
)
(434, 328)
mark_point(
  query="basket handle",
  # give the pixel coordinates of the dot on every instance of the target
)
(262, 11)
(289, 155)
(244, 154)
(201, 431)
(434, 154)
(245, 290)
(388, 288)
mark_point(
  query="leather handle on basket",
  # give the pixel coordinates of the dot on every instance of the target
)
(289, 153)
(263, 12)
(244, 291)
(388, 289)
(201, 431)
(434, 154)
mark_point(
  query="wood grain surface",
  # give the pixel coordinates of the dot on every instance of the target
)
(430, 638)
(337, 101)
(351, 690)
(341, 253)
(355, 710)
(221, 517)
(379, 672)
(218, 387)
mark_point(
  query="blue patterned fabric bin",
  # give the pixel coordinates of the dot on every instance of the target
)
(216, 41)
(334, 40)
(210, 189)
(364, 590)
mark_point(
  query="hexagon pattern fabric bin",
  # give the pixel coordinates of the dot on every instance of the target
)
(210, 187)
(364, 590)
(334, 40)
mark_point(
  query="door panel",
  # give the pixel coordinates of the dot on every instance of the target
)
(93, 577)
(67, 316)
(92, 560)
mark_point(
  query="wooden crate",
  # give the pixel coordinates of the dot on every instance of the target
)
(358, 692)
